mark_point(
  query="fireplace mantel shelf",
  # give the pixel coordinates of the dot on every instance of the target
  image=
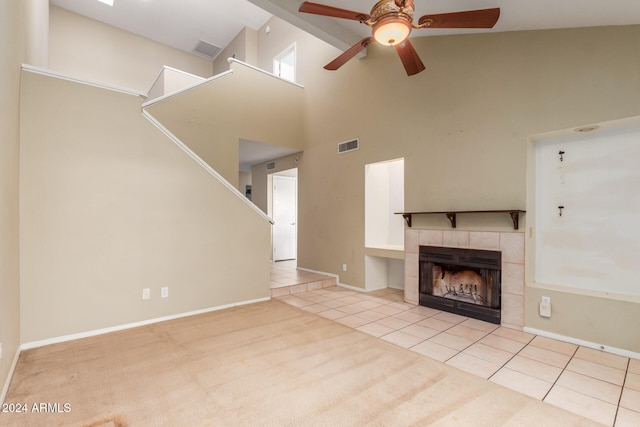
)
(451, 215)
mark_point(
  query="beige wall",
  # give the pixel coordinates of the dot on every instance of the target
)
(171, 80)
(591, 318)
(462, 127)
(309, 50)
(90, 50)
(213, 117)
(12, 30)
(244, 47)
(37, 40)
(110, 206)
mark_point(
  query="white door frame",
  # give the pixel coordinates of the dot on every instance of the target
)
(290, 232)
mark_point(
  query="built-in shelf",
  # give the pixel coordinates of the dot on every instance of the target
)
(451, 215)
(392, 252)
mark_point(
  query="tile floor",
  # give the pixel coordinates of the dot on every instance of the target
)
(601, 386)
(286, 278)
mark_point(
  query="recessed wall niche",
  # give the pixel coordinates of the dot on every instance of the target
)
(586, 206)
(384, 195)
(384, 231)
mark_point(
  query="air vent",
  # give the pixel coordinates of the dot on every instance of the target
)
(345, 147)
(206, 49)
(271, 165)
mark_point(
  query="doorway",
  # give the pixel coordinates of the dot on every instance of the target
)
(284, 212)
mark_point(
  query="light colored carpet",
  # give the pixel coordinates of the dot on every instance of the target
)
(261, 364)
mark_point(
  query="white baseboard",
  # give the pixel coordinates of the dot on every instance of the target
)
(35, 344)
(324, 273)
(344, 285)
(10, 376)
(588, 344)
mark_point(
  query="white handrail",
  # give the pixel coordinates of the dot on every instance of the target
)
(205, 165)
(166, 67)
(179, 91)
(47, 72)
(235, 61)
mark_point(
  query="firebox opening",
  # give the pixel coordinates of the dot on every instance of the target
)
(462, 281)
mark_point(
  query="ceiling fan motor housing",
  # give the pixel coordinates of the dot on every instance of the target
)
(385, 7)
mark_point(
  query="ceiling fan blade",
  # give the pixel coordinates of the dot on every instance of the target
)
(348, 54)
(409, 57)
(321, 9)
(483, 18)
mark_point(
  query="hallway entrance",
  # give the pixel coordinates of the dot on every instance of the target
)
(284, 210)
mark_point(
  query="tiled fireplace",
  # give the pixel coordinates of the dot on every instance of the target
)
(510, 244)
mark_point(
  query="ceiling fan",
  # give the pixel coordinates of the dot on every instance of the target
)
(392, 22)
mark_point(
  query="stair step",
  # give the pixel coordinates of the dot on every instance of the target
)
(303, 287)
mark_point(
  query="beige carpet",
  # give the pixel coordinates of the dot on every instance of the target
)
(256, 365)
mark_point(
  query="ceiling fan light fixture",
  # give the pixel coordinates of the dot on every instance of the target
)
(391, 31)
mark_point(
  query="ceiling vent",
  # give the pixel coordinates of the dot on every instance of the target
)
(206, 49)
(345, 147)
(271, 165)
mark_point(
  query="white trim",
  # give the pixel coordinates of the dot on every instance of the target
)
(210, 79)
(166, 67)
(62, 76)
(176, 92)
(318, 272)
(583, 343)
(10, 376)
(233, 60)
(352, 288)
(72, 337)
(337, 277)
(206, 166)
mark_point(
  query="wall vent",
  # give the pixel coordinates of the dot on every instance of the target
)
(271, 165)
(206, 49)
(345, 147)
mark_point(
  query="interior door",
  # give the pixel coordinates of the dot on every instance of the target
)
(285, 217)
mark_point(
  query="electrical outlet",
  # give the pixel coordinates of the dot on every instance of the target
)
(545, 307)
(164, 292)
(344, 267)
(146, 293)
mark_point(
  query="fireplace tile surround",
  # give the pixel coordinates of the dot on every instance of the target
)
(511, 244)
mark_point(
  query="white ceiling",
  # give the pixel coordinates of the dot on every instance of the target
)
(181, 23)
(177, 23)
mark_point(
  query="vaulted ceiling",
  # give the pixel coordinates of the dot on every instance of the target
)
(182, 23)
